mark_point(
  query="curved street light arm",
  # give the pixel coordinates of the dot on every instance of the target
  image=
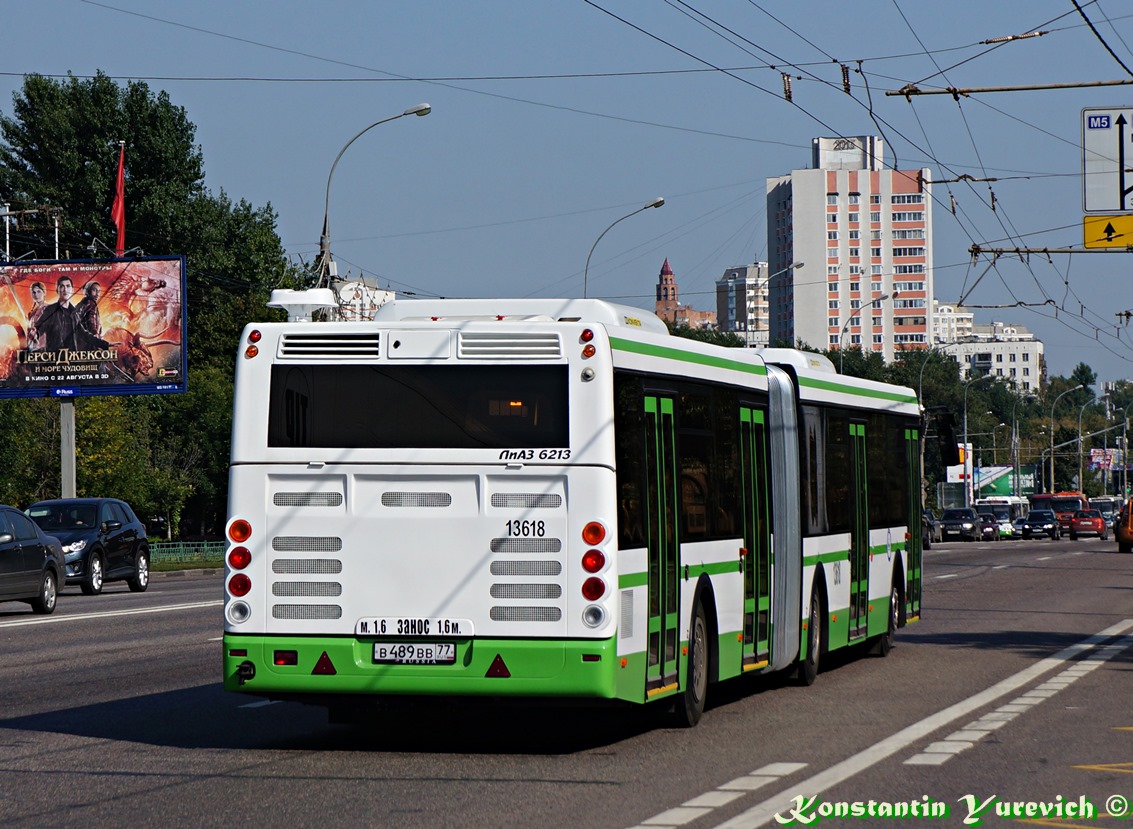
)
(324, 239)
(657, 202)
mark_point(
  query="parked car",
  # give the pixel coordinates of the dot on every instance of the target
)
(1042, 522)
(930, 529)
(31, 562)
(102, 541)
(1088, 522)
(989, 527)
(959, 522)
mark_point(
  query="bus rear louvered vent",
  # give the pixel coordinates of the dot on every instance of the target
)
(306, 611)
(416, 499)
(307, 566)
(509, 344)
(526, 545)
(526, 568)
(625, 629)
(526, 591)
(525, 614)
(306, 588)
(330, 344)
(526, 500)
(306, 544)
(307, 499)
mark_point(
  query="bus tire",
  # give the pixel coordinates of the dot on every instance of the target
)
(690, 703)
(885, 641)
(808, 667)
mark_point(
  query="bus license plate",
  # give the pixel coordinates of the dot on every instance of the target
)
(415, 653)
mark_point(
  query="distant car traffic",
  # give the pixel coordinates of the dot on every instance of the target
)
(989, 527)
(1042, 522)
(102, 541)
(959, 522)
(31, 562)
(1017, 527)
(1088, 522)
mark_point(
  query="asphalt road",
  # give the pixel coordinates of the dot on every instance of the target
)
(1014, 686)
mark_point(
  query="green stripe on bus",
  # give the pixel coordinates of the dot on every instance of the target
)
(669, 353)
(826, 558)
(627, 580)
(833, 385)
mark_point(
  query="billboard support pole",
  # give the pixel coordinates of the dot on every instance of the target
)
(67, 447)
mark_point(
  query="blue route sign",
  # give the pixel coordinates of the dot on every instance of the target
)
(1107, 160)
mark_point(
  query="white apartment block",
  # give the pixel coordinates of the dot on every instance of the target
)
(741, 303)
(864, 236)
(1008, 351)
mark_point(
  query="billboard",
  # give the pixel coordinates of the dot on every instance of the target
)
(92, 327)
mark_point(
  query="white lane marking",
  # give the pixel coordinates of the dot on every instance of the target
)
(703, 804)
(947, 576)
(762, 813)
(80, 617)
(216, 639)
(940, 752)
(260, 704)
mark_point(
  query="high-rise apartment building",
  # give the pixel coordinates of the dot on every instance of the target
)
(864, 236)
(741, 303)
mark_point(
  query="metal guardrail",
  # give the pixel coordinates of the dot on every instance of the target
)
(186, 552)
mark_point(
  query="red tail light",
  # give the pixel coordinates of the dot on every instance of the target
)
(239, 585)
(593, 589)
(239, 558)
(593, 561)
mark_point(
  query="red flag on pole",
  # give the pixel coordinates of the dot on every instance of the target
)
(118, 211)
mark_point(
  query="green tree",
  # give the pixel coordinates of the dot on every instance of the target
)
(59, 147)
(728, 339)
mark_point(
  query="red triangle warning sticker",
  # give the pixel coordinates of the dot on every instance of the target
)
(498, 668)
(324, 665)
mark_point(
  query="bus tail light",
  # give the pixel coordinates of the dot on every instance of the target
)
(593, 589)
(593, 561)
(239, 558)
(593, 533)
(239, 585)
(239, 530)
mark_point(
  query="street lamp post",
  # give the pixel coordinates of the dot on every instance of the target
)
(325, 262)
(1015, 488)
(657, 202)
(967, 454)
(928, 356)
(1052, 408)
(850, 319)
(1081, 411)
(767, 284)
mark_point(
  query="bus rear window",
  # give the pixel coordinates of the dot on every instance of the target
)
(418, 406)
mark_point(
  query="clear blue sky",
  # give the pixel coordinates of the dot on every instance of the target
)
(552, 120)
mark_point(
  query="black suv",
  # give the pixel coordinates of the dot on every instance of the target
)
(961, 522)
(31, 563)
(102, 541)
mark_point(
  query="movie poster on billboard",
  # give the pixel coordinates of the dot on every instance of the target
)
(80, 328)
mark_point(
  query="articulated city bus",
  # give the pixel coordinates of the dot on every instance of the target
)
(553, 499)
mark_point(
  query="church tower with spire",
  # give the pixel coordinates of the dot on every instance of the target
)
(669, 308)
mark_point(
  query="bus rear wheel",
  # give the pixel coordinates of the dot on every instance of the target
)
(690, 704)
(808, 667)
(884, 642)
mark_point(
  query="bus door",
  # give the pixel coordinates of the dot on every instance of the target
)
(913, 550)
(663, 545)
(859, 533)
(756, 553)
